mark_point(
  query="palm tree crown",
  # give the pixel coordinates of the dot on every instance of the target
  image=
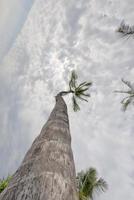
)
(88, 183)
(78, 90)
(130, 98)
(126, 29)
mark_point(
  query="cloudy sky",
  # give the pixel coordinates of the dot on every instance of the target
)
(41, 42)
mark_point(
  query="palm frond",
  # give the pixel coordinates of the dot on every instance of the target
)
(4, 183)
(125, 29)
(121, 91)
(128, 99)
(79, 179)
(75, 104)
(81, 98)
(86, 95)
(88, 183)
(82, 196)
(73, 78)
(80, 91)
(101, 185)
(85, 84)
(92, 174)
(127, 83)
(126, 102)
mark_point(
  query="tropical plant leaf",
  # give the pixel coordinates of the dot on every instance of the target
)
(126, 103)
(80, 90)
(121, 91)
(92, 174)
(75, 104)
(86, 95)
(88, 183)
(85, 84)
(79, 178)
(101, 185)
(72, 83)
(81, 98)
(82, 196)
(4, 183)
(129, 99)
(127, 83)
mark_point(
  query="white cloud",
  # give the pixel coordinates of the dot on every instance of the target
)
(54, 40)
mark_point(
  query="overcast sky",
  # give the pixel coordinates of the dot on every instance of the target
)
(41, 42)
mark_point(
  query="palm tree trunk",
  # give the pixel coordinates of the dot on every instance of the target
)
(47, 171)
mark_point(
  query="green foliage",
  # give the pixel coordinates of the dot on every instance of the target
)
(88, 184)
(4, 183)
(72, 82)
(128, 99)
(125, 29)
(75, 104)
(78, 90)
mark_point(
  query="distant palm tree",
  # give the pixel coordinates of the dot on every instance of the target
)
(78, 90)
(125, 29)
(128, 99)
(88, 183)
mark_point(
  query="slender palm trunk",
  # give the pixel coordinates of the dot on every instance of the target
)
(47, 171)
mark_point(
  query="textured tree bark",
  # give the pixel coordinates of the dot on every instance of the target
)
(47, 171)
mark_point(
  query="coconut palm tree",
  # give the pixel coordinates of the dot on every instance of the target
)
(88, 183)
(48, 171)
(128, 99)
(125, 29)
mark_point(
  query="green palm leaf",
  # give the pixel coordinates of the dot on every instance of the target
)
(75, 104)
(4, 183)
(81, 98)
(130, 98)
(84, 84)
(127, 83)
(82, 196)
(86, 95)
(126, 102)
(101, 185)
(80, 90)
(88, 184)
(72, 82)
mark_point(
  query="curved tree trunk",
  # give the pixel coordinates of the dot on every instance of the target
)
(47, 171)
